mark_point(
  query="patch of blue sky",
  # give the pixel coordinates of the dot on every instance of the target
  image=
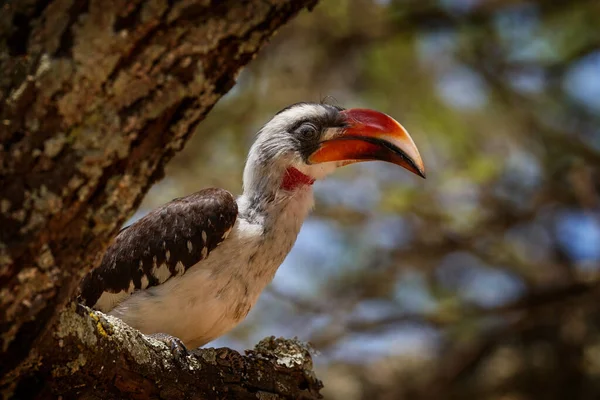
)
(140, 213)
(404, 339)
(492, 287)
(524, 167)
(582, 81)
(520, 30)
(518, 23)
(437, 48)
(521, 177)
(387, 232)
(383, 173)
(528, 81)
(462, 88)
(360, 193)
(412, 293)
(373, 310)
(319, 252)
(460, 195)
(578, 233)
(478, 283)
(459, 6)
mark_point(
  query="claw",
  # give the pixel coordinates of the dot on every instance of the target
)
(178, 349)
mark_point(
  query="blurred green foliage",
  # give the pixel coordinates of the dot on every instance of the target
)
(480, 282)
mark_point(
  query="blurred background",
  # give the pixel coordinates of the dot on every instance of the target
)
(481, 282)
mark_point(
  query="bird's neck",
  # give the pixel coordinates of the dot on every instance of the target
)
(284, 204)
(272, 189)
(271, 211)
(278, 218)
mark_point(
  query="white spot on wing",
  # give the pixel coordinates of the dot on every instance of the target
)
(144, 282)
(204, 236)
(168, 255)
(204, 252)
(179, 268)
(189, 246)
(161, 273)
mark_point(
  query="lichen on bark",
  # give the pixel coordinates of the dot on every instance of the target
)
(92, 347)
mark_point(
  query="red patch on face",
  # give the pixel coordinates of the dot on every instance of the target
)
(293, 179)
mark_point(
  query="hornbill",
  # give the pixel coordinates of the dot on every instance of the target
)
(193, 268)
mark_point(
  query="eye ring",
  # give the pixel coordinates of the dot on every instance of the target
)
(308, 131)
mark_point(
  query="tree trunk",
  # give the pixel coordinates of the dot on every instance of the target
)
(97, 95)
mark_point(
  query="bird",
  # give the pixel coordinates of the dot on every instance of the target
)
(192, 269)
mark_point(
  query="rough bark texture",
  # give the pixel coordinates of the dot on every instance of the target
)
(94, 356)
(97, 95)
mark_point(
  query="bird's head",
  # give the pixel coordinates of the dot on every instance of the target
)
(307, 141)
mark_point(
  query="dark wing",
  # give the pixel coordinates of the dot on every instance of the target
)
(163, 244)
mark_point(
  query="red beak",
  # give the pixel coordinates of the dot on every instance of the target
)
(371, 135)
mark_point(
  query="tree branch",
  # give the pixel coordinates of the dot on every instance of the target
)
(92, 355)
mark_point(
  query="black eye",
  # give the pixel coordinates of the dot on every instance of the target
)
(308, 131)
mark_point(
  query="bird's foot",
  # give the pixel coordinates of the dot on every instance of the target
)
(178, 349)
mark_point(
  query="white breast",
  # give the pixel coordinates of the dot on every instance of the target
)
(216, 294)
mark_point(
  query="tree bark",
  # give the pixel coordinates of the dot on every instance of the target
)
(94, 356)
(97, 95)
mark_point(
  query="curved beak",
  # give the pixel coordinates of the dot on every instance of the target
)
(368, 136)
